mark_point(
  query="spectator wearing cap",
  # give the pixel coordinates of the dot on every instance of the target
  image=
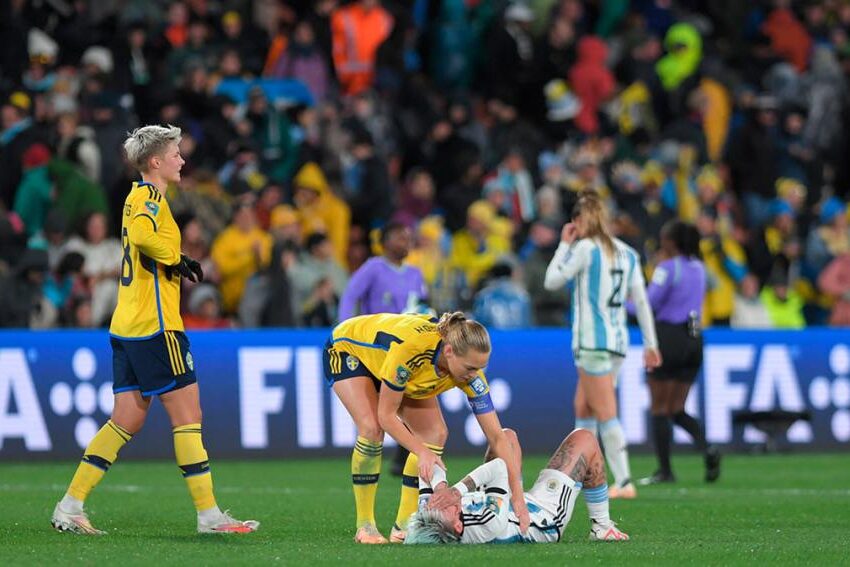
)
(830, 238)
(240, 251)
(319, 209)
(357, 30)
(34, 195)
(285, 226)
(16, 135)
(775, 246)
(205, 309)
(784, 305)
(247, 40)
(318, 282)
(22, 302)
(476, 248)
(40, 76)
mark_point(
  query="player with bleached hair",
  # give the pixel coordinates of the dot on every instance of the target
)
(150, 350)
(477, 509)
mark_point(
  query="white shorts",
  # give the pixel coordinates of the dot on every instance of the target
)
(599, 362)
(550, 504)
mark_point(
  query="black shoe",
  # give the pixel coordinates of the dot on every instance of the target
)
(712, 463)
(660, 477)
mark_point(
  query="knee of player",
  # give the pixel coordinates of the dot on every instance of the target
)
(582, 438)
(371, 430)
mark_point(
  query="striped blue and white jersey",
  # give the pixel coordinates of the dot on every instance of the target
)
(601, 285)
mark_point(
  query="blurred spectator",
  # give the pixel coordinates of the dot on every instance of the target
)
(318, 282)
(509, 64)
(784, 305)
(303, 60)
(775, 246)
(269, 294)
(749, 311)
(63, 282)
(35, 193)
(830, 238)
(725, 266)
(416, 198)
(77, 145)
(503, 303)
(205, 309)
(788, 37)
(320, 210)
(101, 268)
(476, 248)
(592, 82)
(22, 302)
(834, 280)
(284, 225)
(385, 284)
(271, 132)
(358, 30)
(246, 40)
(371, 196)
(76, 194)
(549, 307)
(16, 135)
(238, 252)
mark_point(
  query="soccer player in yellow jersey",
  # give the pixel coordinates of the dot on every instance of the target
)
(150, 352)
(387, 371)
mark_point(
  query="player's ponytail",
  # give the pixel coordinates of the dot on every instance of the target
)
(463, 334)
(595, 216)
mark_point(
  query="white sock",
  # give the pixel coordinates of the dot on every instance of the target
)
(597, 503)
(616, 451)
(588, 423)
(71, 505)
(209, 514)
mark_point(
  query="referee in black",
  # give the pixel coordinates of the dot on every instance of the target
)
(676, 294)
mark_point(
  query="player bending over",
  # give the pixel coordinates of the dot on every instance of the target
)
(477, 509)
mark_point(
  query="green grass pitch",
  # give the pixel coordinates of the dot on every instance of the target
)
(784, 509)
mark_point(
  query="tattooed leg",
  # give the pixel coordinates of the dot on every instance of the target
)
(579, 457)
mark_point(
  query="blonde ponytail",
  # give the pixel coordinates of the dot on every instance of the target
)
(595, 216)
(463, 334)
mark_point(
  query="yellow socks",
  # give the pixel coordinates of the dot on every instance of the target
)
(410, 488)
(193, 461)
(365, 472)
(99, 456)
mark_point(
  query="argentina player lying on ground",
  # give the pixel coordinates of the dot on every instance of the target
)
(477, 509)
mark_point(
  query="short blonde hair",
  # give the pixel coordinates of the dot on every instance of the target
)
(463, 334)
(148, 141)
(430, 526)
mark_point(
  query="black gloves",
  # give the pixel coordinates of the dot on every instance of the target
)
(189, 268)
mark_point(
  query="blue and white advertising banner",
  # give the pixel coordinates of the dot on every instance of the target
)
(263, 393)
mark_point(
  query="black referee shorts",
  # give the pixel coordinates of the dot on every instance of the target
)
(681, 353)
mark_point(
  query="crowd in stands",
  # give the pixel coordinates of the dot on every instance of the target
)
(309, 125)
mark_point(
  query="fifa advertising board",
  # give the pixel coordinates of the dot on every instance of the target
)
(264, 395)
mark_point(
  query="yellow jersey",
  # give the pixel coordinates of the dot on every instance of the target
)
(401, 351)
(149, 292)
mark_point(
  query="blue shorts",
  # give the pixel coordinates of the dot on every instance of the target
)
(339, 365)
(153, 366)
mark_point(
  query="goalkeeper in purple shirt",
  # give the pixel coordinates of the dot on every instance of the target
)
(384, 284)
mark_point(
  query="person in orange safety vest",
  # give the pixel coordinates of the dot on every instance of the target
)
(358, 29)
